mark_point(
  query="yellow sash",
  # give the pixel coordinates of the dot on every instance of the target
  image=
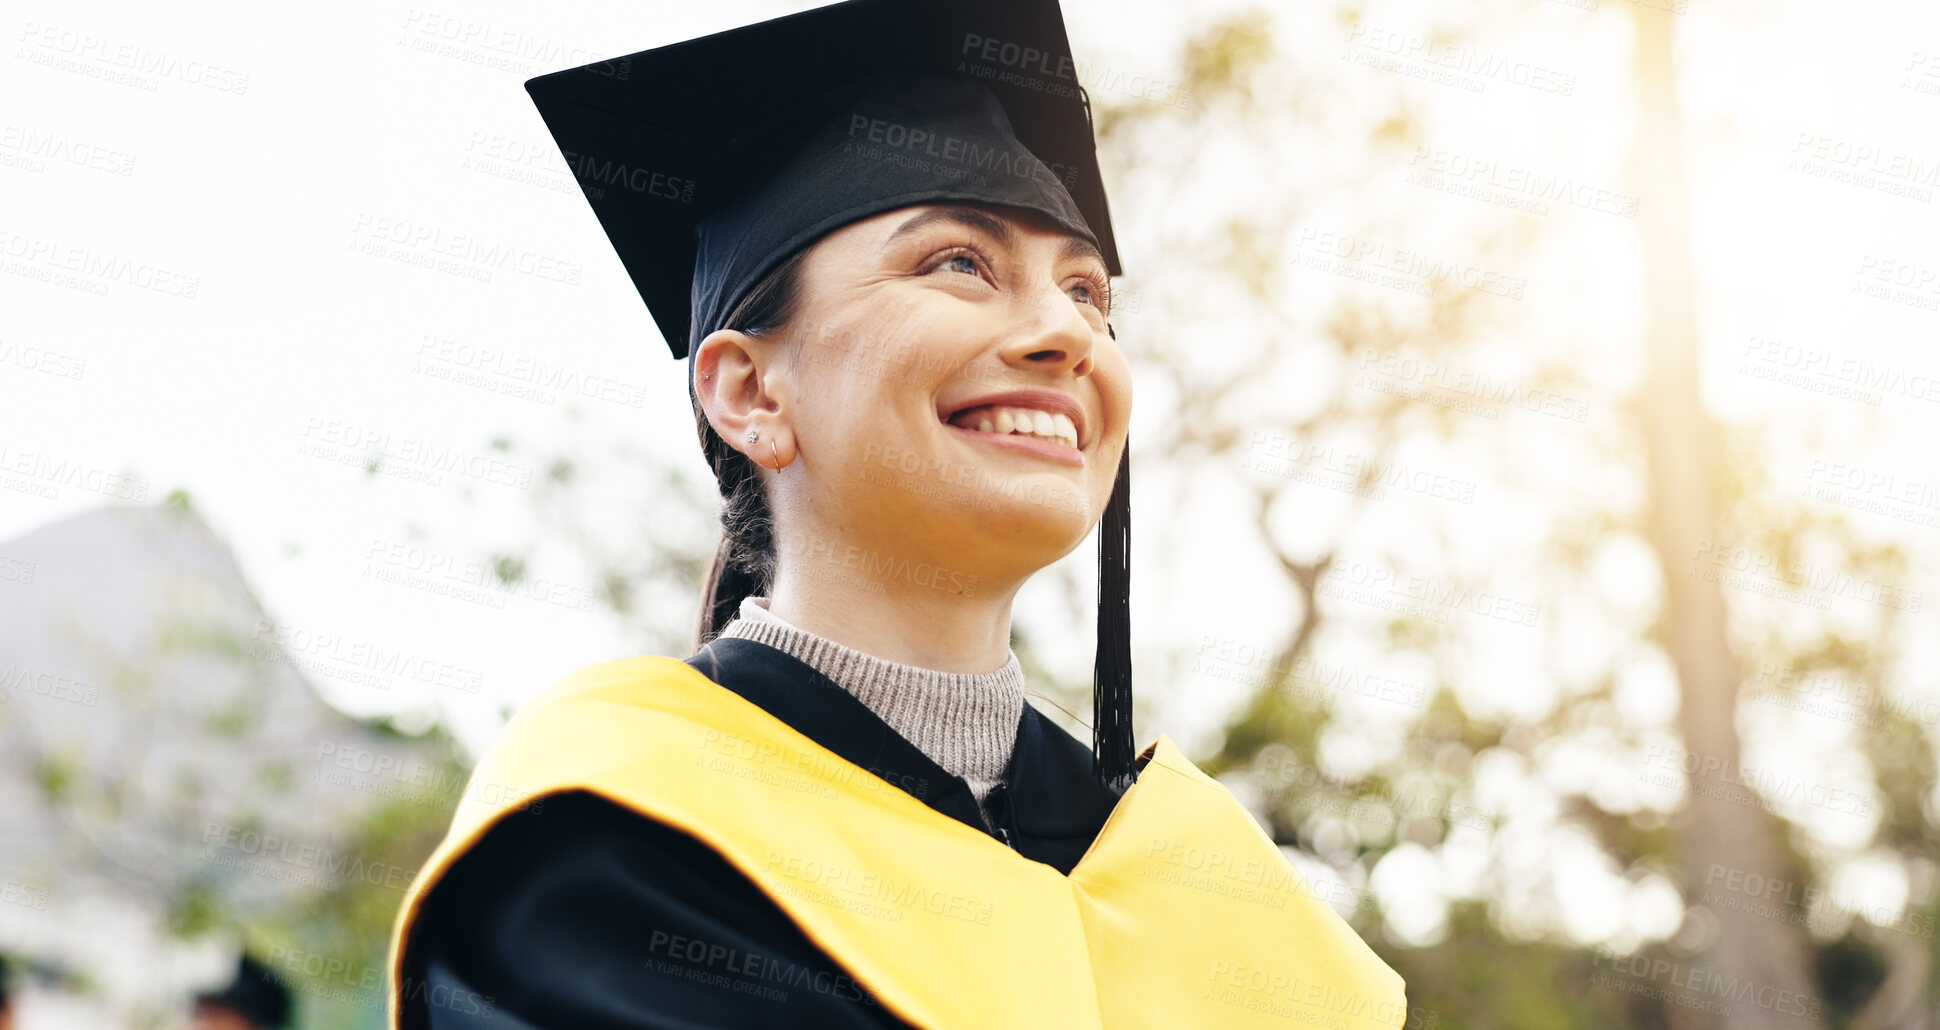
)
(1181, 914)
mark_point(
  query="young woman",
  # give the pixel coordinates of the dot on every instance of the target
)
(841, 811)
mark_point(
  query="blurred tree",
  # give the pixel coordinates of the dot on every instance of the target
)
(1516, 862)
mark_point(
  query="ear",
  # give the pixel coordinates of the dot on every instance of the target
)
(740, 388)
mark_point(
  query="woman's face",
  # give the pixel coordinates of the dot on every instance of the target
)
(947, 391)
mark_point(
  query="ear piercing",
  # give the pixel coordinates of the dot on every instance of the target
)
(754, 434)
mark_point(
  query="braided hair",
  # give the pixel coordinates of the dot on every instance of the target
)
(744, 562)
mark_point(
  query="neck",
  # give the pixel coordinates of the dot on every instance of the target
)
(910, 616)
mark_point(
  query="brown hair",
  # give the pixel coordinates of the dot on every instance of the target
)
(744, 561)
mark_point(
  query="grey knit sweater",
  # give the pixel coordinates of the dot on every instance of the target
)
(965, 722)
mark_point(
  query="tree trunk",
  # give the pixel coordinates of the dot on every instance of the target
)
(1757, 969)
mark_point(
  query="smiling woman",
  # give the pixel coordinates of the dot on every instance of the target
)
(841, 811)
(1021, 400)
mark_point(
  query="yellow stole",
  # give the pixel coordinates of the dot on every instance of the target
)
(1182, 913)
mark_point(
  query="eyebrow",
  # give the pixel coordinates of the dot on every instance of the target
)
(971, 217)
(1077, 247)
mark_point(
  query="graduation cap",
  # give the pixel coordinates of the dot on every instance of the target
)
(709, 162)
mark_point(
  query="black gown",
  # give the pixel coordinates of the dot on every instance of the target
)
(581, 914)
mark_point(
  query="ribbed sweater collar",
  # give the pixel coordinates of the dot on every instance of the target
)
(965, 721)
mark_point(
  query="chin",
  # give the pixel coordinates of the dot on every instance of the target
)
(1044, 519)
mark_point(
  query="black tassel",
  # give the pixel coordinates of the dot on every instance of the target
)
(1113, 743)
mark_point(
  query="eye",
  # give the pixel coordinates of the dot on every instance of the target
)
(1093, 290)
(962, 260)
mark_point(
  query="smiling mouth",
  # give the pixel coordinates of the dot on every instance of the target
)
(1021, 432)
(1011, 420)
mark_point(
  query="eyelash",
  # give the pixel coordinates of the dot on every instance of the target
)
(1100, 287)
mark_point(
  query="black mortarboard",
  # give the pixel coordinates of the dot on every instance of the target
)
(710, 161)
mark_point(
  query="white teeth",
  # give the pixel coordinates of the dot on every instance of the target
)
(1066, 428)
(1053, 426)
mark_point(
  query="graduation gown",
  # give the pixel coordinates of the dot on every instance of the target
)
(736, 841)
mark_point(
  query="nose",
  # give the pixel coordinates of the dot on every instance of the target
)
(1054, 335)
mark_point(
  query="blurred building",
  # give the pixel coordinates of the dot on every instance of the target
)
(167, 773)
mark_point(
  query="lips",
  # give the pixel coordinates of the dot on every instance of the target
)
(1025, 444)
(1018, 407)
